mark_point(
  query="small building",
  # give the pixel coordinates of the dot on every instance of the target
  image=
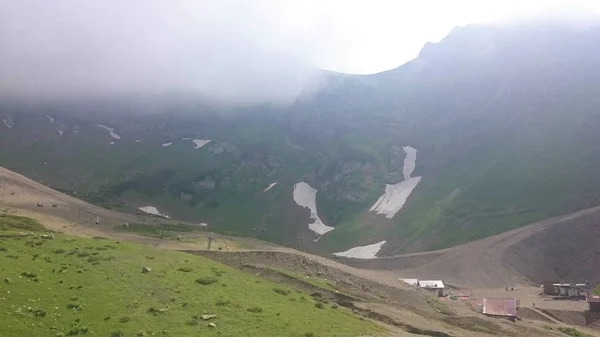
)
(570, 289)
(549, 289)
(500, 307)
(593, 303)
(434, 286)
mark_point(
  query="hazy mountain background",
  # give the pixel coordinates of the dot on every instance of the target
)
(505, 119)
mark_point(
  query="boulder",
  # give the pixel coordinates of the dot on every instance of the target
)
(212, 325)
(146, 270)
(208, 317)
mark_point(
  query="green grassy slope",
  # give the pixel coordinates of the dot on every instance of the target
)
(75, 287)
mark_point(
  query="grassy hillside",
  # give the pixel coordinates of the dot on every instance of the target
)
(70, 286)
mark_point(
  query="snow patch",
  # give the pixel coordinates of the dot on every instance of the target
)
(395, 196)
(51, 119)
(270, 186)
(7, 125)
(306, 196)
(200, 143)
(137, 141)
(152, 210)
(362, 252)
(203, 224)
(110, 130)
(167, 144)
(409, 161)
(186, 138)
(112, 143)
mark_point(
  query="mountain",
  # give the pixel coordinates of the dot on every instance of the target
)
(490, 129)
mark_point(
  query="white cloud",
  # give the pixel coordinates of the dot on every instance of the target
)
(250, 50)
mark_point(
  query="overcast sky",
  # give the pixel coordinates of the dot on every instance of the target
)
(248, 50)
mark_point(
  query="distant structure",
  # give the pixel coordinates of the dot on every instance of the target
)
(570, 289)
(593, 303)
(434, 286)
(500, 307)
(563, 289)
(548, 288)
(592, 315)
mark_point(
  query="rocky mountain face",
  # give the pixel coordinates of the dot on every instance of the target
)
(503, 121)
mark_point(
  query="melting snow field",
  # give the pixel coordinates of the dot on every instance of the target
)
(200, 143)
(394, 198)
(152, 210)
(110, 130)
(362, 252)
(270, 186)
(395, 195)
(7, 125)
(167, 144)
(306, 196)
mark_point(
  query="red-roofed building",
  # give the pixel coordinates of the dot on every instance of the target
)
(502, 307)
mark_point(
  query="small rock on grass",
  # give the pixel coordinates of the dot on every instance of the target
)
(208, 317)
(212, 325)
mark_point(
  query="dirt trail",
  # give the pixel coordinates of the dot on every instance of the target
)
(547, 317)
(484, 263)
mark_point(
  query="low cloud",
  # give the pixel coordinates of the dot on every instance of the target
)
(227, 50)
(238, 51)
